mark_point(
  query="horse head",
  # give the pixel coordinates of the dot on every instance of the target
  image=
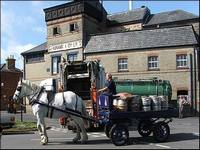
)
(18, 94)
(24, 88)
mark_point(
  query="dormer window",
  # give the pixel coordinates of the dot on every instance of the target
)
(73, 27)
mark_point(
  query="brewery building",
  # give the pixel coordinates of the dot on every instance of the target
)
(135, 44)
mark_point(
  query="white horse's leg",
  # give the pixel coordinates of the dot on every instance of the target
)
(80, 123)
(78, 136)
(42, 130)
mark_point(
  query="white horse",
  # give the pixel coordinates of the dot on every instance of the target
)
(62, 100)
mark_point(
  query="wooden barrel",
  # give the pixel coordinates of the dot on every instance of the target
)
(156, 102)
(146, 103)
(122, 105)
(135, 103)
(115, 103)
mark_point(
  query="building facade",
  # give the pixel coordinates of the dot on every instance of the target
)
(9, 79)
(137, 43)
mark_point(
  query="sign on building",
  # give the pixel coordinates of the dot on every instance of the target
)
(65, 46)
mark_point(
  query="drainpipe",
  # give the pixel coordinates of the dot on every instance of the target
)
(24, 70)
(198, 64)
(195, 80)
(191, 83)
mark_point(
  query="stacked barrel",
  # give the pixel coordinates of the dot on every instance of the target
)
(137, 103)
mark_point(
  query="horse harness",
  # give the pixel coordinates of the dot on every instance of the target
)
(50, 110)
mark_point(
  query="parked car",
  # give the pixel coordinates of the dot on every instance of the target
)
(6, 121)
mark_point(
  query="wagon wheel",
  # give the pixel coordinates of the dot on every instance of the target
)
(107, 128)
(161, 131)
(145, 128)
(119, 135)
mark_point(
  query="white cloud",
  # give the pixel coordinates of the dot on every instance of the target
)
(41, 30)
(36, 3)
(16, 51)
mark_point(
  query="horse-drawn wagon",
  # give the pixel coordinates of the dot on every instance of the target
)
(79, 101)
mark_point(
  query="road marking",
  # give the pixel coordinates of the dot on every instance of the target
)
(195, 133)
(59, 129)
(96, 134)
(93, 134)
(162, 146)
(53, 139)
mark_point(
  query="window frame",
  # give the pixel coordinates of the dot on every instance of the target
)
(35, 58)
(181, 63)
(57, 30)
(75, 27)
(153, 64)
(57, 66)
(122, 66)
(73, 54)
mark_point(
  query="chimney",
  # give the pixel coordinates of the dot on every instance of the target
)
(130, 5)
(10, 62)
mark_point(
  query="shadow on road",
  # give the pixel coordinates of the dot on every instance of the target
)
(172, 138)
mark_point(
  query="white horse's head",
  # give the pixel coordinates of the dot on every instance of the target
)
(24, 88)
(18, 92)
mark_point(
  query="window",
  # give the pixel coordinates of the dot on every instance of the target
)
(122, 64)
(55, 64)
(152, 62)
(56, 30)
(73, 27)
(34, 58)
(181, 61)
(72, 56)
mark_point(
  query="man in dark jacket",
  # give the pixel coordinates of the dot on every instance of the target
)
(110, 87)
(109, 90)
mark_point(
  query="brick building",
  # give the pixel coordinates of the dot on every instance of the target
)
(9, 79)
(137, 43)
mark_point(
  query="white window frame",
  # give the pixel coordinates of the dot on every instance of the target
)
(153, 62)
(55, 64)
(181, 61)
(122, 64)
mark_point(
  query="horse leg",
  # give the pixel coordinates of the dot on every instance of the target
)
(78, 136)
(84, 137)
(42, 130)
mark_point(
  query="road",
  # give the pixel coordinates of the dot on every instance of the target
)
(184, 135)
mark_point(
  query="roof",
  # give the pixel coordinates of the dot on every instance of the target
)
(165, 37)
(170, 16)
(129, 16)
(2, 65)
(40, 48)
(4, 69)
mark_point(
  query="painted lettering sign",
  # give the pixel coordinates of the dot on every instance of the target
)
(65, 46)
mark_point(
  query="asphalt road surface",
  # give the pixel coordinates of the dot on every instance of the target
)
(184, 135)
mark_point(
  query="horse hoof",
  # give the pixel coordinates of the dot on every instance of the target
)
(43, 143)
(75, 141)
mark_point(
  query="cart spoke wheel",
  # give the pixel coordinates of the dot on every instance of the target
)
(119, 135)
(161, 131)
(145, 128)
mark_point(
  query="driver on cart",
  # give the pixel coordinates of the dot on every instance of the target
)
(109, 89)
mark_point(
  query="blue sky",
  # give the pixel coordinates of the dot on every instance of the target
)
(23, 25)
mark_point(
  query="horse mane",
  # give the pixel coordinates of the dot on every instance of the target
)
(31, 84)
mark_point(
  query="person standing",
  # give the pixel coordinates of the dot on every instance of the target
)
(182, 101)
